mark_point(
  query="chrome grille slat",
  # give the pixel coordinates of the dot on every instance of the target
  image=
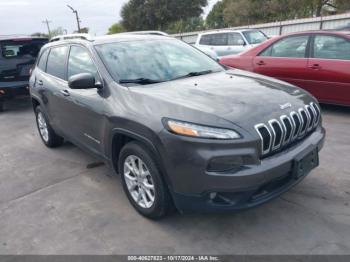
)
(274, 132)
(258, 129)
(311, 117)
(290, 130)
(305, 122)
(280, 132)
(296, 128)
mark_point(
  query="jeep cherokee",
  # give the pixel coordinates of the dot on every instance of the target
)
(179, 128)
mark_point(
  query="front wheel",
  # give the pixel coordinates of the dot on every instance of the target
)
(47, 134)
(142, 182)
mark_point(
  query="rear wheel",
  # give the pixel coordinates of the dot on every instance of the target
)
(142, 182)
(47, 134)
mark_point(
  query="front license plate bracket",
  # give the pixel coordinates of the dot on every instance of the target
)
(305, 163)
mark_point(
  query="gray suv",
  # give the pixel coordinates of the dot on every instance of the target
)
(180, 129)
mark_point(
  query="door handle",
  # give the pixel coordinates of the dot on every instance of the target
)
(40, 82)
(315, 67)
(261, 63)
(65, 92)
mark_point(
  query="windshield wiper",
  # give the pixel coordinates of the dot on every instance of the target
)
(141, 81)
(199, 73)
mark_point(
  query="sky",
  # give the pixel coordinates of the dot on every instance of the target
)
(26, 16)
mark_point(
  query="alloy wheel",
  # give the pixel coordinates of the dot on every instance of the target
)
(139, 181)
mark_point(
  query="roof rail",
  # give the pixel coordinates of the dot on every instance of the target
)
(71, 36)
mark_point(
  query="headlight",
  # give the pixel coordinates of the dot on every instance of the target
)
(188, 129)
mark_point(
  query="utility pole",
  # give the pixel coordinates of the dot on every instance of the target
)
(47, 22)
(76, 15)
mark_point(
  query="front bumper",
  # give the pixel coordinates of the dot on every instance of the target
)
(254, 183)
(12, 89)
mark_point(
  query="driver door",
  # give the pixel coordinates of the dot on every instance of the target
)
(86, 106)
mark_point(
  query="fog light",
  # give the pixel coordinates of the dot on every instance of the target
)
(212, 196)
(227, 163)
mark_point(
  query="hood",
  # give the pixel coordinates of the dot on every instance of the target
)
(234, 95)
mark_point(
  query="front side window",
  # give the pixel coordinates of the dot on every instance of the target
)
(56, 62)
(159, 60)
(80, 62)
(235, 39)
(294, 47)
(331, 47)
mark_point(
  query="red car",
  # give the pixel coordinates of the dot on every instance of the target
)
(317, 61)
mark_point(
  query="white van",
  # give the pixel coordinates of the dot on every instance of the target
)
(228, 42)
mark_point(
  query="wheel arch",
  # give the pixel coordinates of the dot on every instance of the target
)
(121, 137)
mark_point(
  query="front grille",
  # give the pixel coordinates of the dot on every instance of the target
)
(288, 128)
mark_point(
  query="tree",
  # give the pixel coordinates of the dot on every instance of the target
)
(215, 18)
(246, 12)
(158, 14)
(56, 31)
(115, 29)
(189, 25)
(38, 34)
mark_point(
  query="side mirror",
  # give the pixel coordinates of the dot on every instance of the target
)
(83, 81)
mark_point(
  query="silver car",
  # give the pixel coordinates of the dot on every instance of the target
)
(228, 42)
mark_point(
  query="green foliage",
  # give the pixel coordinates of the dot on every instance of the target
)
(84, 30)
(215, 19)
(159, 14)
(56, 31)
(115, 29)
(38, 34)
(188, 25)
(228, 13)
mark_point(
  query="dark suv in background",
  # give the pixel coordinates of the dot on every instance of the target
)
(17, 57)
(177, 126)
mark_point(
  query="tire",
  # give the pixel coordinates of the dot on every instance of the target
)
(47, 134)
(162, 203)
(2, 108)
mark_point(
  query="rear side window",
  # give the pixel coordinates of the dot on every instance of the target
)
(205, 40)
(43, 60)
(80, 62)
(219, 39)
(293, 47)
(331, 47)
(56, 62)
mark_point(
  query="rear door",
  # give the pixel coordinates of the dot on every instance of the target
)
(216, 42)
(285, 59)
(54, 82)
(17, 58)
(329, 68)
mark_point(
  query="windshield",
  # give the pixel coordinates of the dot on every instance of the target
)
(254, 37)
(154, 60)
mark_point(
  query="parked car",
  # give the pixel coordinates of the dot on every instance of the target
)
(227, 42)
(177, 126)
(344, 27)
(17, 57)
(317, 61)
